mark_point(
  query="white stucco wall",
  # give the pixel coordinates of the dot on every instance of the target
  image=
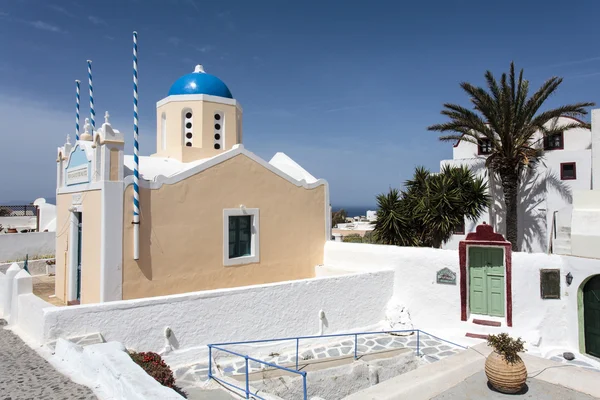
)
(541, 195)
(585, 224)
(245, 313)
(414, 277)
(110, 371)
(15, 246)
(436, 307)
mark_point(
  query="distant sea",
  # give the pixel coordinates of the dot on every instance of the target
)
(354, 211)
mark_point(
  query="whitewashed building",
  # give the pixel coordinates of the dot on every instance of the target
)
(546, 194)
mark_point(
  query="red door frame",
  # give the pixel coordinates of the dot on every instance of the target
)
(484, 235)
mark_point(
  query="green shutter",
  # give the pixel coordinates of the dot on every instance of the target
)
(240, 236)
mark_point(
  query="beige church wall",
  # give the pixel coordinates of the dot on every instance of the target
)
(181, 231)
(203, 129)
(91, 230)
(91, 233)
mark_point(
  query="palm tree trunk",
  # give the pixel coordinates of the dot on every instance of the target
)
(510, 187)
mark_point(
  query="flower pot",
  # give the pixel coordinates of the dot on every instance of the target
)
(503, 376)
(11, 230)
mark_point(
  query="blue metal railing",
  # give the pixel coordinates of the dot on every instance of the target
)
(246, 357)
(218, 346)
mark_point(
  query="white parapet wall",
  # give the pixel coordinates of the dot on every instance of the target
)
(550, 323)
(108, 369)
(15, 246)
(284, 309)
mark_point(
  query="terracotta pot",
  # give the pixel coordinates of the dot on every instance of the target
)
(11, 230)
(503, 376)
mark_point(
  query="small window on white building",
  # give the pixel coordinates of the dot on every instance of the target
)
(554, 142)
(219, 124)
(484, 146)
(241, 243)
(163, 131)
(568, 171)
(188, 128)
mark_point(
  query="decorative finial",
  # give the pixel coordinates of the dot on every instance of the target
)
(68, 139)
(86, 135)
(199, 69)
(106, 116)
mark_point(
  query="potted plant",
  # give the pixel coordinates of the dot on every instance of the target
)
(504, 368)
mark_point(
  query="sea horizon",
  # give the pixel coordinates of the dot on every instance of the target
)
(354, 211)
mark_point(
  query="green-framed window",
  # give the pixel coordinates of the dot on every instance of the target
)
(240, 236)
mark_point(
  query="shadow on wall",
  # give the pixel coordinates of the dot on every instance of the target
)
(533, 208)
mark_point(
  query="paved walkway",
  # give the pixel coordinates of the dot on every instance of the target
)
(476, 387)
(559, 358)
(26, 375)
(431, 349)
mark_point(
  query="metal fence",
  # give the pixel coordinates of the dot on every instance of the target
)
(246, 390)
(18, 211)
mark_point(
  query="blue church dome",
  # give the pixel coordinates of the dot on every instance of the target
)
(199, 82)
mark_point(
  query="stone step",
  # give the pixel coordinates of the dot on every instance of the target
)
(486, 322)
(476, 336)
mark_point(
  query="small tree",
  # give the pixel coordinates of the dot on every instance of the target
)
(432, 205)
(338, 217)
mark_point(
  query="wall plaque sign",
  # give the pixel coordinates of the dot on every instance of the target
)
(77, 199)
(445, 276)
(77, 175)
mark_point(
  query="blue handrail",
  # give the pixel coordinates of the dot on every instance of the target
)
(297, 339)
(246, 357)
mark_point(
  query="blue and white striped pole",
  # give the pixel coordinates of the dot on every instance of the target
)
(136, 160)
(77, 111)
(92, 113)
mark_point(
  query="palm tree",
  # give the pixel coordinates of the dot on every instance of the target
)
(428, 211)
(393, 224)
(508, 118)
(441, 202)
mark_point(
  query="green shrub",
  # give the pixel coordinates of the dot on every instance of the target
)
(353, 238)
(506, 346)
(154, 365)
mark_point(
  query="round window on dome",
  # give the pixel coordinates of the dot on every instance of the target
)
(217, 117)
(218, 127)
(188, 115)
(188, 125)
(217, 136)
(188, 135)
(217, 146)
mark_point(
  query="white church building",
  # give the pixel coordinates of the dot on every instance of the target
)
(546, 193)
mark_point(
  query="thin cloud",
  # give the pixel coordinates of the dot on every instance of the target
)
(204, 49)
(225, 16)
(174, 40)
(193, 4)
(584, 75)
(44, 26)
(96, 20)
(61, 10)
(109, 37)
(568, 63)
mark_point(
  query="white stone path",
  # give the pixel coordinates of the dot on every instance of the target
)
(431, 349)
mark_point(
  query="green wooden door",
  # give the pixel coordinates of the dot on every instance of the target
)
(477, 281)
(591, 316)
(486, 281)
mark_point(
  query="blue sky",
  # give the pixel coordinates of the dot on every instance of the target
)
(345, 88)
